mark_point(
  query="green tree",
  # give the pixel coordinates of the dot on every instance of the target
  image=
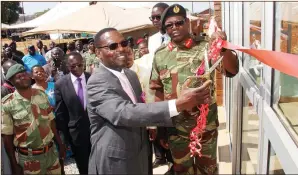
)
(37, 14)
(10, 11)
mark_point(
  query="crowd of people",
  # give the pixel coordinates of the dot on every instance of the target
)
(112, 105)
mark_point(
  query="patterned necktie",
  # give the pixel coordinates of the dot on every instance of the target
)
(80, 91)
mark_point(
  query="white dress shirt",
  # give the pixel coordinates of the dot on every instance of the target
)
(75, 83)
(172, 103)
(42, 52)
(155, 41)
(48, 56)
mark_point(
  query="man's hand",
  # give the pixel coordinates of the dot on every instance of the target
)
(152, 134)
(230, 60)
(218, 34)
(191, 97)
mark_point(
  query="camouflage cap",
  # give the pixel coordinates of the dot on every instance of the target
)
(173, 10)
(17, 68)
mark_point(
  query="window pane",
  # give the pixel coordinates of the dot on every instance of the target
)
(250, 138)
(252, 65)
(285, 86)
(274, 164)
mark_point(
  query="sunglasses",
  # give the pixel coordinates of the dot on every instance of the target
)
(157, 17)
(177, 24)
(114, 46)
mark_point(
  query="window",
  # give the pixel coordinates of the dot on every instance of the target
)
(274, 166)
(250, 138)
(285, 96)
(251, 64)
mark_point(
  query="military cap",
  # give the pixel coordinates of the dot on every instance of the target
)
(91, 41)
(17, 68)
(129, 38)
(173, 10)
(30, 46)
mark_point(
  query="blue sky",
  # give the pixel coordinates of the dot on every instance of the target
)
(33, 7)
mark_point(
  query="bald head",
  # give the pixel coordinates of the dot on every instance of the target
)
(98, 36)
(7, 64)
(74, 55)
(52, 45)
(79, 45)
(75, 63)
(57, 53)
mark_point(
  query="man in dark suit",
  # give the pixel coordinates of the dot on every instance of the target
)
(71, 114)
(117, 115)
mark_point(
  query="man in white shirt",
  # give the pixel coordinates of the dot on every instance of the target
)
(48, 56)
(162, 155)
(117, 115)
(156, 40)
(40, 50)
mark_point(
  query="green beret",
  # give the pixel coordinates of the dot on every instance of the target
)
(173, 10)
(129, 38)
(17, 68)
(91, 41)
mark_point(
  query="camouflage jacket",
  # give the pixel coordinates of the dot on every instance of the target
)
(28, 121)
(136, 54)
(90, 60)
(171, 68)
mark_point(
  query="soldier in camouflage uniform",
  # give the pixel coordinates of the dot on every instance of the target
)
(173, 64)
(91, 61)
(28, 127)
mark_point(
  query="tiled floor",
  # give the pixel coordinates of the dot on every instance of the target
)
(223, 158)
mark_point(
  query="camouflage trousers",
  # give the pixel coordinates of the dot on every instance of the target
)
(184, 164)
(47, 163)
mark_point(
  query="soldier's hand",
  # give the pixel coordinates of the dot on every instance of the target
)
(191, 97)
(218, 34)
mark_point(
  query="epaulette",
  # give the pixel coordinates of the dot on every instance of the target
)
(7, 97)
(160, 48)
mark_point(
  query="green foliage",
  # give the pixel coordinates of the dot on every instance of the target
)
(37, 14)
(10, 11)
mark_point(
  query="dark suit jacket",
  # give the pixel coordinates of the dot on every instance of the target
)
(118, 127)
(71, 118)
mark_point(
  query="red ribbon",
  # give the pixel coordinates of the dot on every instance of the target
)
(284, 62)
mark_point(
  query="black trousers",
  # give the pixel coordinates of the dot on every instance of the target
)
(160, 152)
(81, 155)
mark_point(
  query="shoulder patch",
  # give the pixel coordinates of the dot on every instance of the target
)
(7, 98)
(162, 47)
